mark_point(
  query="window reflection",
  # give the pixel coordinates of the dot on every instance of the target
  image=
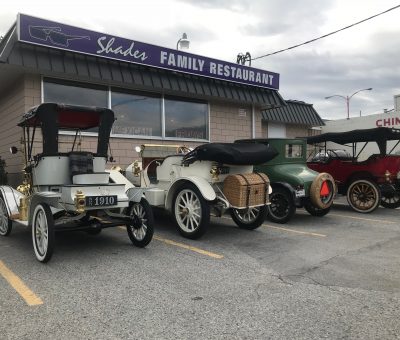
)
(184, 119)
(137, 114)
(74, 93)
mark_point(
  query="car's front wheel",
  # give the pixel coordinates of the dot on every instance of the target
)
(249, 218)
(5, 222)
(141, 230)
(363, 195)
(43, 232)
(191, 211)
(282, 207)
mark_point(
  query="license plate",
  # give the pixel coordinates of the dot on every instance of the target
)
(101, 201)
(300, 193)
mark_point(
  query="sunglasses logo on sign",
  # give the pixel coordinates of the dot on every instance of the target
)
(53, 34)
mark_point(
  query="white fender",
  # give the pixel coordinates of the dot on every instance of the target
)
(11, 198)
(204, 187)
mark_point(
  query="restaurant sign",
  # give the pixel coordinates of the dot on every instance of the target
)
(70, 38)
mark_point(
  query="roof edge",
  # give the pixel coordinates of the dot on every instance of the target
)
(7, 42)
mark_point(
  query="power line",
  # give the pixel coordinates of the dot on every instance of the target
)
(327, 35)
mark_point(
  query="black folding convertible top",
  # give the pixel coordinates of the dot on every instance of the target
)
(354, 136)
(379, 135)
(232, 153)
(52, 117)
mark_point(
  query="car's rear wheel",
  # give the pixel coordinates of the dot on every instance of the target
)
(315, 211)
(282, 207)
(5, 222)
(363, 195)
(250, 218)
(43, 232)
(391, 200)
(141, 230)
(322, 191)
(191, 211)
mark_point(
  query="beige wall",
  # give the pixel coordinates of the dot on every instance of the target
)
(293, 131)
(229, 122)
(21, 95)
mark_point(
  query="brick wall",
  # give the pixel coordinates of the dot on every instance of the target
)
(11, 106)
(226, 124)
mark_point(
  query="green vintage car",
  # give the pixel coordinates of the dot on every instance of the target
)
(293, 183)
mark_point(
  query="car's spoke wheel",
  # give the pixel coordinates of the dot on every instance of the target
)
(282, 207)
(141, 230)
(191, 211)
(363, 196)
(315, 211)
(43, 232)
(250, 218)
(5, 222)
(391, 201)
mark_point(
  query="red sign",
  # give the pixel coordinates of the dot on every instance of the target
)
(387, 122)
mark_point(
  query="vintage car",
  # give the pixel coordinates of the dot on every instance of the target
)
(70, 190)
(293, 183)
(213, 177)
(366, 183)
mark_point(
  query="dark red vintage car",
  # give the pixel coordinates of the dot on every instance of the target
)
(365, 183)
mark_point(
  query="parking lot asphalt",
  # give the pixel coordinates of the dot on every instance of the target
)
(335, 277)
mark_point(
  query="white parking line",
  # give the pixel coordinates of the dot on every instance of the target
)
(287, 229)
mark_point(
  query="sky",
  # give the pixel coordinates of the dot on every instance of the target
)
(357, 58)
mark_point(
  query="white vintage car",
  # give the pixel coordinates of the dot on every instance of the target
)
(70, 190)
(213, 177)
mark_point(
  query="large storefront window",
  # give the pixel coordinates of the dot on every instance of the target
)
(137, 114)
(74, 93)
(185, 119)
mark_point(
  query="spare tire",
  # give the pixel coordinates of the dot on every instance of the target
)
(322, 190)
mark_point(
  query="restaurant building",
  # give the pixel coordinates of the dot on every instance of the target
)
(159, 95)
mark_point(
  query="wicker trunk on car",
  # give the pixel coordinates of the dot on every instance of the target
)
(246, 190)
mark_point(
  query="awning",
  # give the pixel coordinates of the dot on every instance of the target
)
(295, 112)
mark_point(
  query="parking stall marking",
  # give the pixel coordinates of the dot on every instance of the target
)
(185, 246)
(364, 218)
(30, 297)
(294, 231)
(288, 229)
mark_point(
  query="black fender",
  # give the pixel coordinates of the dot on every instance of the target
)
(286, 186)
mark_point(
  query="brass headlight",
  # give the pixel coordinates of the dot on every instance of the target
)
(214, 173)
(80, 202)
